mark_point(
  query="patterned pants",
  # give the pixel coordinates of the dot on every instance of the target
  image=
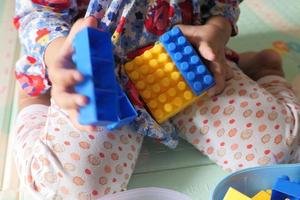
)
(249, 124)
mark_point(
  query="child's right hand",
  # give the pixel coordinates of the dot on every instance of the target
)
(63, 73)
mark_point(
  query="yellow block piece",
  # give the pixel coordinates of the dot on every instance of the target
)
(233, 194)
(159, 83)
(262, 195)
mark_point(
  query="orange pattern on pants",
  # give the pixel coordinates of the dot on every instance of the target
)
(56, 161)
(249, 124)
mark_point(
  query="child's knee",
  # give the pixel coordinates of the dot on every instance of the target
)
(49, 173)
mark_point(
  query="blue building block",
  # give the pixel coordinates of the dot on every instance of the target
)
(187, 61)
(285, 189)
(127, 112)
(108, 104)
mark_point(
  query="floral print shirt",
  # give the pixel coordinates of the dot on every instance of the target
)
(134, 24)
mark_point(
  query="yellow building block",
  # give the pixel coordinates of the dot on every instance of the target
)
(159, 83)
(269, 192)
(262, 195)
(233, 194)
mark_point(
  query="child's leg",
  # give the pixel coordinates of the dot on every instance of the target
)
(56, 161)
(247, 125)
(271, 78)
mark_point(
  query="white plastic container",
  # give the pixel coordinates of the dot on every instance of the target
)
(150, 193)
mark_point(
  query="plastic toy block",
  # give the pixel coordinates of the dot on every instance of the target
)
(108, 105)
(127, 112)
(262, 195)
(285, 189)
(90, 56)
(233, 194)
(187, 61)
(159, 83)
(269, 192)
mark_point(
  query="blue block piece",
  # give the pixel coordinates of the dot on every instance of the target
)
(94, 60)
(127, 112)
(285, 189)
(187, 61)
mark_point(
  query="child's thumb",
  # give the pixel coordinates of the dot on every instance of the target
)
(81, 24)
(207, 52)
(90, 22)
(78, 26)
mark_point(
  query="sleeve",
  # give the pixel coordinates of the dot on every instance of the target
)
(227, 8)
(39, 22)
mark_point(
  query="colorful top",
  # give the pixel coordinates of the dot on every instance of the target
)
(134, 24)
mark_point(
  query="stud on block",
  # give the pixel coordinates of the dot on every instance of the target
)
(159, 83)
(169, 76)
(187, 61)
(94, 60)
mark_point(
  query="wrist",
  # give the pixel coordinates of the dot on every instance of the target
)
(52, 50)
(222, 24)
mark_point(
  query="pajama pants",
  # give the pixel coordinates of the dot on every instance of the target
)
(249, 124)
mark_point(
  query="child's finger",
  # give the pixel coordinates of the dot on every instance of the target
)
(73, 114)
(208, 52)
(79, 25)
(87, 128)
(90, 21)
(219, 76)
(68, 100)
(229, 72)
(66, 77)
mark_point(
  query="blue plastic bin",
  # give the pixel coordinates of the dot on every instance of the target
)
(252, 180)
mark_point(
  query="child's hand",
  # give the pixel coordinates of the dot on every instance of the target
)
(63, 75)
(210, 40)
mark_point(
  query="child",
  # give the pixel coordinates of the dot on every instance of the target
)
(249, 123)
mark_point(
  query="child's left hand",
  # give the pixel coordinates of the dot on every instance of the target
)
(210, 40)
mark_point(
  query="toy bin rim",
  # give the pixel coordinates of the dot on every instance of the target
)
(223, 182)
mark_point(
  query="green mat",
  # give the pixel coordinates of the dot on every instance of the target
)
(264, 24)
(1, 10)
(273, 24)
